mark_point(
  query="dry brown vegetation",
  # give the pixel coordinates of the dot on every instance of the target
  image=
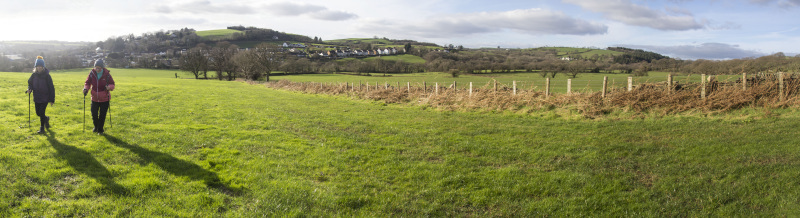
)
(644, 98)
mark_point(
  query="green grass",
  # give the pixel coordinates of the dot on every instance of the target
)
(404, 57)
(220, 34)
(189, 148)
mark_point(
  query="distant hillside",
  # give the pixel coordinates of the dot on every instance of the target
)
(630, 56)
(216, 35)
(581, 52)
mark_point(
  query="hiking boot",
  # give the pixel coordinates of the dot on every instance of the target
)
(47, 122)
(41, 129)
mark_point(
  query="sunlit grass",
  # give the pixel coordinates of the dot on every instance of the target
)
(189, 148)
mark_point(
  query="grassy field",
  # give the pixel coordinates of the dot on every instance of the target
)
(404, 57)
(219, 34)
(189, 148)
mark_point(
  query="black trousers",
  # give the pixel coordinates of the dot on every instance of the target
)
(40, 111)
(99, 110)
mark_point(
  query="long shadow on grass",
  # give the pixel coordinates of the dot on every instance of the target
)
(85, 163)
(176, 166)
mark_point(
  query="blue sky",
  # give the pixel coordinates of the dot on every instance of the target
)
(686, 29)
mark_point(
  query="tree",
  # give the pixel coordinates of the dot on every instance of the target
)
(194, 61)
(221, 59)
(269, 57)
(248, 66)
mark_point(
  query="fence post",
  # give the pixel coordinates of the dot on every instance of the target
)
(515, 87)
(744, 81)
(495, 86)
(605, 86)
(455, 87)
(703, 86)
(780, 86)
(408, 85)
(630, 83)
(424, 87)
(669, 83)
(547, 88)
(569, 86)
(437, 88)
(470, 89)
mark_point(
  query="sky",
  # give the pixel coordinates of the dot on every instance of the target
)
(686, 29)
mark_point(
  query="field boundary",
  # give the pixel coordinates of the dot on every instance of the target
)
(708, 95)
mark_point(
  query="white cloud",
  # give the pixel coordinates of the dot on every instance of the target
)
(780, 3)
(626, 12)
(204, 6)
(528, 21)
(279, 9)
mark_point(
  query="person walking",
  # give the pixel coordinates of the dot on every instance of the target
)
(41, 84)
(100, 82)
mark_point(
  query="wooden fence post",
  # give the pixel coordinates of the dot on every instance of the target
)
(408, 85)
(515, 87)
(437, 88)
(424, 87)
(630, 83)
(470, 89)
(703, 86)
(569, 86)
(780, 86)
(744, 81)
(455, 87)
(669, 83)
(605, 86)
(547, 88)
(495, 86)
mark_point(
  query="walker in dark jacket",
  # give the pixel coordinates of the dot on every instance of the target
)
(41, 84)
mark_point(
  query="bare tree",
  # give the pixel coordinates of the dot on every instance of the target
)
(269, 56)
(221, 58)
(248, 64)
(194, 61)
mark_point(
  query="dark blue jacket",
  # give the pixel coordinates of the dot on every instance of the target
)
(42, 85)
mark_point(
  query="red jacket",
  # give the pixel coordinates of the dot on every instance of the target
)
(100, 88)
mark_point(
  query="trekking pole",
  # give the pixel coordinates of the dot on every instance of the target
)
(111, 124)
(84, 112)
(29, 110)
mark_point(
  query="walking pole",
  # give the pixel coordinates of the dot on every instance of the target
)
(29, 110)
(111, 124)
(84, 112)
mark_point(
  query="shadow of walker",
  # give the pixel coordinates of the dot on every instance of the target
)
(86, 164)
(175, 166)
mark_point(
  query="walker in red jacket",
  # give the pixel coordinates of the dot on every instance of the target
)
(101, 83)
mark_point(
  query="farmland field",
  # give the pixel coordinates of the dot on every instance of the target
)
(219, 34)
(198, 148)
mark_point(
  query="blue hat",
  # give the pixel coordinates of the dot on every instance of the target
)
(39, 61)
(100, 63)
